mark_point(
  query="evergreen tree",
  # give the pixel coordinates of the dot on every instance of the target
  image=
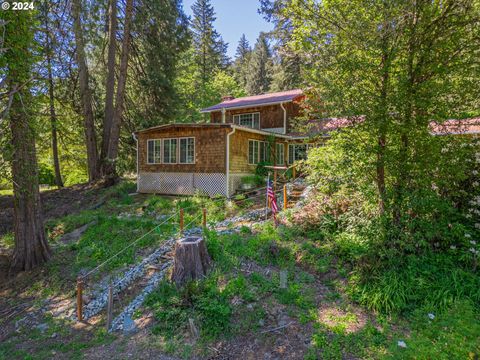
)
(162, 29)
(31, 245)
(287, 70)
(260, 67)
(209, 46)
(242, 57)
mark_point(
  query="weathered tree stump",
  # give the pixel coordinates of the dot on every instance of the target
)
(191, 260)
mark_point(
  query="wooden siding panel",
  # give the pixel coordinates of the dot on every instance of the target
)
(271, 116)
(210, 150)
(239, 150)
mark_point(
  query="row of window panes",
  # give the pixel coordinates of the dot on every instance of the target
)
(259, 151)
(251, 120)
(167, 151)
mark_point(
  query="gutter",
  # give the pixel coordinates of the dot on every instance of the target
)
(136, 141)
(284, 118)
(227, 161)
(262, 132)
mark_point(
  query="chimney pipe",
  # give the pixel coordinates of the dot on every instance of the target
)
(227, 98)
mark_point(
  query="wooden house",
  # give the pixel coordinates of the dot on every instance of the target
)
(212, 158)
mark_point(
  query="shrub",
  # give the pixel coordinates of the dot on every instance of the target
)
(434, 280)
(261, 170)
(254, 180)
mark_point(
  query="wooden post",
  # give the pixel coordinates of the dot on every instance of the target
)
(79, 299)
(274, 179)
(284, 197)
(110, 307)
(204, 217)
(181, 221)
(283, 279)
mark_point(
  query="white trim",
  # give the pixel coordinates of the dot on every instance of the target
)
(176, 151)
(297, 144)
(262, 132)
(253, 119)
(284, 118)
(282, 145)
(194, 151)
(161, 151)
(227, 165)
(258, 151)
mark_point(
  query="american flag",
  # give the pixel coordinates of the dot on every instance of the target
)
(271, 198)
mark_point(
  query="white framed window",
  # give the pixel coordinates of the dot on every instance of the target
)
(253, 152)
(169, 151)
(297, 152)
(264, 151)
(258, 151)
(251, 120)
(279, 154)
(187, 150)
(154, 151)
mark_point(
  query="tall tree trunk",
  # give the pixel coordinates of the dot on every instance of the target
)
(109, 84)
(85, 94)
(31, 246)
(51, 94)
(120, 95)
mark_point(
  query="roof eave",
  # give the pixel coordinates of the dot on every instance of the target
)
(206, 110)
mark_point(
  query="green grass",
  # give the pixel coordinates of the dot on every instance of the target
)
(58, 339)
(7, 241)
(452, 334)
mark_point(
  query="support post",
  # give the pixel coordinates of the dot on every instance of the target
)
(285, 197)
(204, 222)
(79, 299)
(181, 221)
(110, 307)
(274, 179)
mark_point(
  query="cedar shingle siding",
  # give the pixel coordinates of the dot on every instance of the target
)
(270, 116)
(209, 150)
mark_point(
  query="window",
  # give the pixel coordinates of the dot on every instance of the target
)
(258, 151)
(154, 151)
(169, 151)
(297, 152)
(264, 152)
(279, 154)
(187, 150)
(251, 120)
(253, 152)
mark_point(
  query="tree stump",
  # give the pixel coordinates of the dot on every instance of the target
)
(191, 260)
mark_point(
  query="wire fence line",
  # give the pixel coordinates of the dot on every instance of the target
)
(83, 277)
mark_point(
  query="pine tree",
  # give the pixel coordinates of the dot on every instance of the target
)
(260, 68)
(287, 71)
(209, 46)
(242, 58)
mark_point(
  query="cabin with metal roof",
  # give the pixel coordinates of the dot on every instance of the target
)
(212, 158)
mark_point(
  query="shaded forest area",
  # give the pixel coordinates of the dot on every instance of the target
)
(78, 78)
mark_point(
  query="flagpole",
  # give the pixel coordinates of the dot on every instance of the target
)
(266, 193)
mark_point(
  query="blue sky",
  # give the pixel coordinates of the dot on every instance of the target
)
(234, 18)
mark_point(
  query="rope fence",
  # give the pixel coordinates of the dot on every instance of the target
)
(180, 215)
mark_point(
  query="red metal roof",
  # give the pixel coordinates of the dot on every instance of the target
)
(256, 100)
(456, 127)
